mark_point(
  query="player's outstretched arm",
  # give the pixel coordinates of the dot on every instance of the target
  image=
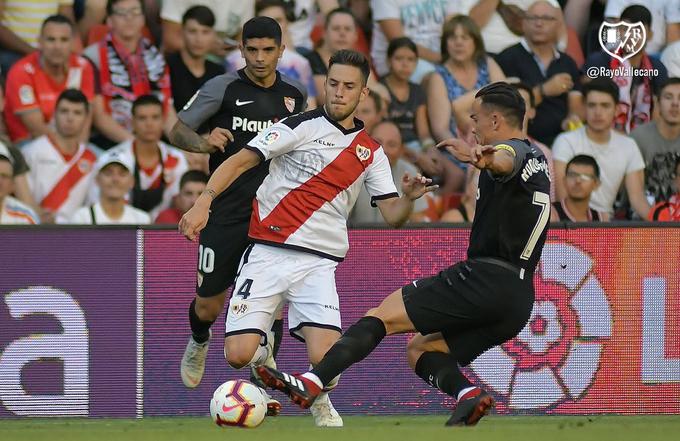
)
(196, 218)
(396, 211)
(185, 138)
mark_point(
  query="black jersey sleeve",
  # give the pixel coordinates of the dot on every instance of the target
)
(518, 149)
(207, 101)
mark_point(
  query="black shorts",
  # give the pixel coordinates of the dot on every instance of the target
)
(219, 254)
(475, 305)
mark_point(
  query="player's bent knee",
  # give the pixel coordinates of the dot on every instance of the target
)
(238, 354)
(414, 350)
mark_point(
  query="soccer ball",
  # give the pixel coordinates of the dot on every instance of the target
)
(238, 403)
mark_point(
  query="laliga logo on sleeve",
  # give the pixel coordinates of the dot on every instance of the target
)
(622, 40)
(555, 357)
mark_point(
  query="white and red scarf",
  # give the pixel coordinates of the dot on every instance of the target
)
(635, 103)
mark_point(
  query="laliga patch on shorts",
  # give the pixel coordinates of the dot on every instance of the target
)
(239, 309)
(270, 137)
(26, 95)
(363, 153)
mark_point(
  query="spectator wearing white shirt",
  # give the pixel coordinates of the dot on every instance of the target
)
(12, 211)
(419, 20)
(618, 155)
(665, 16)
(114, 180)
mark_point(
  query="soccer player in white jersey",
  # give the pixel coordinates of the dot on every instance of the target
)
(60, 163)
(319, 161)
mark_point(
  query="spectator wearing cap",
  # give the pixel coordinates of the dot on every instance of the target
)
(35, 82)
(582, 177)
(190, 68)
(466, 68)
(617, 155)
(636, 93)
(22, 191)
(659, 142)
(12, 211)
(291, 62)
(668, 210)
(60, 162)
(128, 65)
(191, 185)
(114, 181)
(552, 74)
(20, 26)
(156, 166)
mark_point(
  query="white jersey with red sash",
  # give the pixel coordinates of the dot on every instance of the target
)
(170, 171)
(315, 176)
(59, 183)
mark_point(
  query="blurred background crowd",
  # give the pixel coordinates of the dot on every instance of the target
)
(83, 77)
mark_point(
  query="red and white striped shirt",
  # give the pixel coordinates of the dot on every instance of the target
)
(58, 182)
(316, 173)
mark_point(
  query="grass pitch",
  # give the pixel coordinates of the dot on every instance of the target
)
(370, 428)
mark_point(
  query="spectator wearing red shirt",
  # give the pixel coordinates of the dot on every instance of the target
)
(191, 185)
(669, 211)
(128, 65)
(35, 82)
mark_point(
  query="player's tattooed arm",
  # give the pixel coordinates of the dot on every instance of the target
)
(183, 137)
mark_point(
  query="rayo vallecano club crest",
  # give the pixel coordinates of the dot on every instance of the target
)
(622, 40)
(363, 153)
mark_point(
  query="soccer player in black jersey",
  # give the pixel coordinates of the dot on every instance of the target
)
(475, 304)
(233, 108)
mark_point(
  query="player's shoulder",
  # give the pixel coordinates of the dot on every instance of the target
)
(298, 119)
(516, 147)
(220, 83)
(294, 85)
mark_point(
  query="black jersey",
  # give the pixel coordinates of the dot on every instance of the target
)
(512, 212)
(565, 216)
(232, 101)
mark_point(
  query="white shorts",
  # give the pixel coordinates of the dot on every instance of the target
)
(270, 276)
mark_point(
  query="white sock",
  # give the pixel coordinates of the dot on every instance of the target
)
(464, 391)
(314, 378)
(260, 356)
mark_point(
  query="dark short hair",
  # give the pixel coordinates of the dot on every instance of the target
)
(525, 87)
(635, 13)
(585, 160)
(201, 14)
(349, 57)
(193, 176)
(400, 42)
(669, 82)
(604, 85)
(502, 96)
(110, 4)
(470, 28)
(146, 100)
(58, 19)
(336, 11)
(261, 27)
(73, 96)
(288, 7)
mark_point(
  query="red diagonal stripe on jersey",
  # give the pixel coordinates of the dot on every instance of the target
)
(302, 202)
(60, 192)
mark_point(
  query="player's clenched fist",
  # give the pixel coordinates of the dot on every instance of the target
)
(219, 138)
(194, 220)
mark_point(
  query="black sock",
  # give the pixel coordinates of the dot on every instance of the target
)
(441, 371)
(277, 329)
(354, 345)
(200, 330)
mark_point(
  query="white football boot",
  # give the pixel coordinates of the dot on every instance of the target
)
(324, 413)
(193, 362)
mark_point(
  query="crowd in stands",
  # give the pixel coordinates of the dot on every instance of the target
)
(91, 89)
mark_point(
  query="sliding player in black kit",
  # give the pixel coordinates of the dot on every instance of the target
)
(234, 108)
(475, 304)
